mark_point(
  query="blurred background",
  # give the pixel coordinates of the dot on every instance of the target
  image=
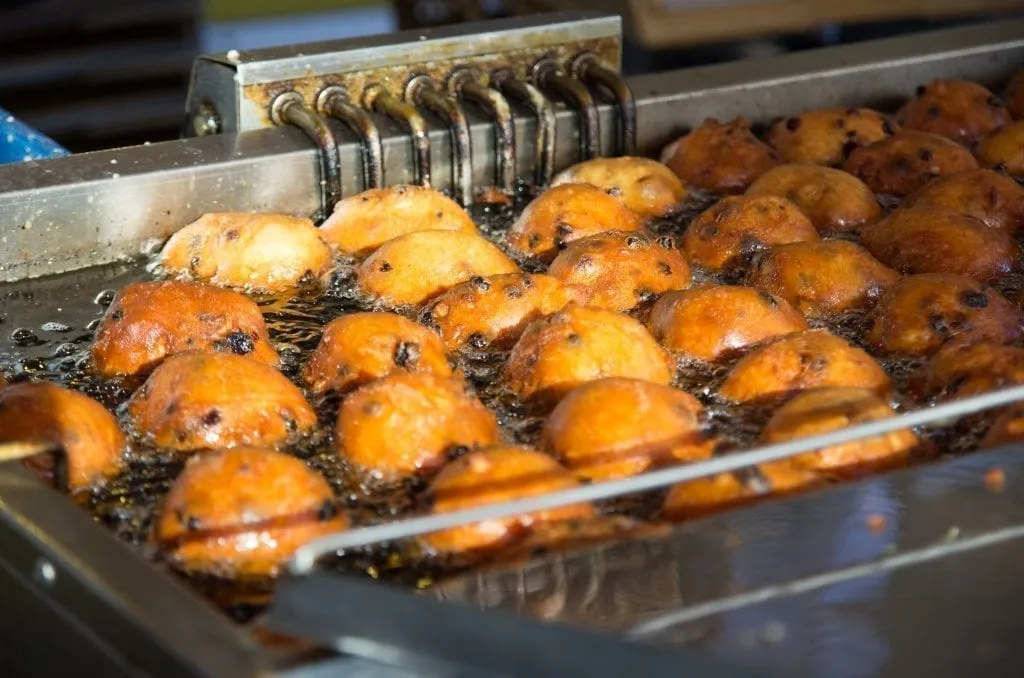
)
(96, 74)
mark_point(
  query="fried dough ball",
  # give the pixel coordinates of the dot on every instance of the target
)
(251, 252)
(1007, 428)
(715, 322)
(417, 266)
(206, 400)
(405, 425)
(618, 270)
(960, 110)
(494, 311)
(615, 427)
(1015, 95)
(92, 443)
(832, 199)
(580, 344)
(1004, 148)
(565, 213)
(822, 278)
(983, 194)
(645, 186)
(903, 163)
(495, 475)
(148, 321)
(958, 371)
(922, 312)
(243, 513)
(826, 136)
(736, 227)
(825, 410)
(936, 240)
(703, 496)
(363, 222)
(359, 347)
(719, 158)
(798, 362)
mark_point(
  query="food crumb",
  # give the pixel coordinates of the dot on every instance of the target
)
(493, 196)
(995, 479)
(876, 522)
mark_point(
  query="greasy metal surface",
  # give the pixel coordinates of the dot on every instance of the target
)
(456, 635)
(334, 101)
(58, 215)
(424, 94)
(549, 77)
(544, 137)
(911, 573)
(137, 612)
(412, 122)
(589, 69)
(289, 109)
(256, 77)
(497, 108)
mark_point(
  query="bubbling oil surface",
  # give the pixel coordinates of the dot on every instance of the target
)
(55, 323)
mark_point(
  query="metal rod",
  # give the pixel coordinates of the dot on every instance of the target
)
(305, 558)
(504, 129)
(290, 109)
(544, 140)
(334, 101)
(590, 70)
(421, 91)
(379, 100)
(574, 93)
(18, 450)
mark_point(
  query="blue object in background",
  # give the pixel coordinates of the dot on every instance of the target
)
(19, 142)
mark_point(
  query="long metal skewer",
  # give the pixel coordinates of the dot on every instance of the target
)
(305, 558)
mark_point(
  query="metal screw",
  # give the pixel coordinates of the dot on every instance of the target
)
(206, 121)
(44, 572)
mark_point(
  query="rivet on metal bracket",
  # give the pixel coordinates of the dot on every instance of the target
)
(466, 83)
(290, 109)
(588, 68)
(528, 95)
(547, 76)
(421, 91)
(376, 98)
(334, 101)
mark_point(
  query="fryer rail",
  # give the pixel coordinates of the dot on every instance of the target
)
(691, 587)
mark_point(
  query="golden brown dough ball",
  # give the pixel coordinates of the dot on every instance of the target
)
(645, 186)
(580, 344)
(1015, 95)
(703, 496)
(493, 311)
(716, 322)
(46, 413)
(983, 194)
(618, 270)
(148, 321)
(363, 222)
(206, 400)
(359, 347)
(957, 371)
(922, 312)
(734, 228)
(960, 110)
(798, 362)
(615, 427)
(826, 136)
(250, 252)
(832, 199)
(1004, 148)
(496, 475)
(244, 513)
(719, 158)
(903, 163)
(822, 278)
(1007, 428)
(936, 240)
(405, 425)
(565, 213)
(826, 410)
(414, 267)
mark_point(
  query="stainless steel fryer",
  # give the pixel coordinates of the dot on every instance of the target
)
(907, 572)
